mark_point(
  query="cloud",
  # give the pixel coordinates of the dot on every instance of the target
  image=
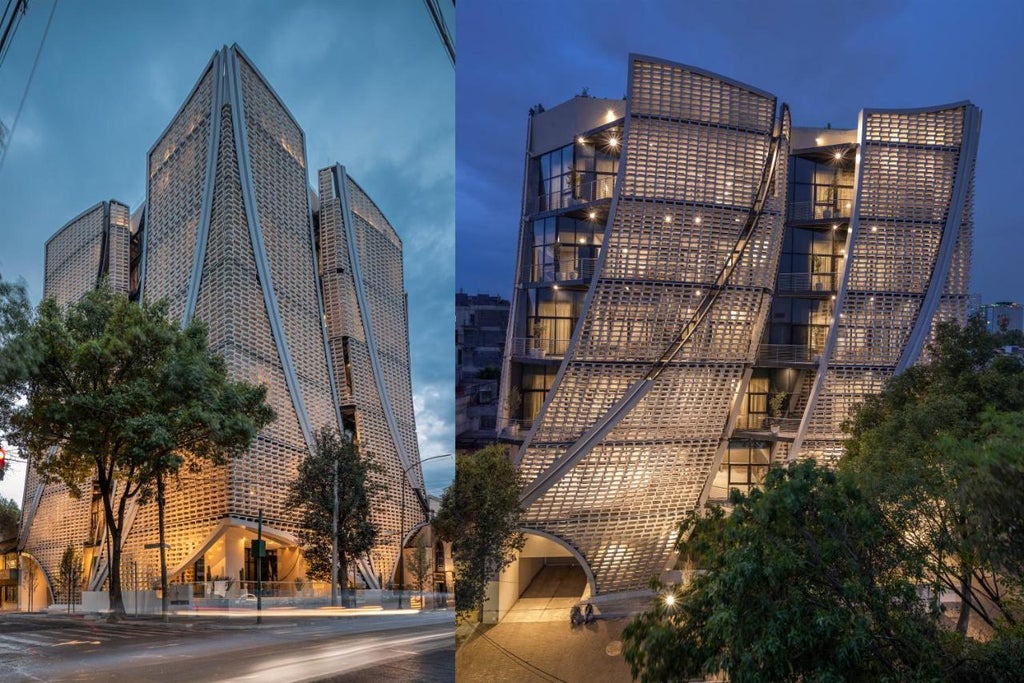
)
(435, 408)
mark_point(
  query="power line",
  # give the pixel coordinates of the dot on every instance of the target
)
(8, 36)
(442, 28)
(24, 96)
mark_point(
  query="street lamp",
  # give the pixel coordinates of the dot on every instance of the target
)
(401, 528)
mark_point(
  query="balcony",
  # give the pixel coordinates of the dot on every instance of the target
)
(539, 348)
(583, 192)
(580, 271)
(804, 283)
(808, 212)
(767, 428)
(787, 355)
(514, 430)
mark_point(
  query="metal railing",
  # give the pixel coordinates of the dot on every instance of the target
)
(513, 429)
(805, 282)
(582, 192)
(764, 423)
(579, 270)
(819, 211)
(787, 353)
(539, 347)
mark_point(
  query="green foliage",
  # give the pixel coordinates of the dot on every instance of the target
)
(481, 516)
(490, 372)
(337, 455)
(419, 565)
(805, 580)
(117, 393)
(69, 575)
(9, 516)
(15, 313)
(941, 449)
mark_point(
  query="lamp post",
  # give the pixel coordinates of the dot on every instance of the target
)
(401, 530)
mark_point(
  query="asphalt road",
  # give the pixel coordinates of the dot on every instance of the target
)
(412, 647)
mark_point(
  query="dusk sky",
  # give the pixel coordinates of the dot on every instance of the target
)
(828, 60)
(369, 83)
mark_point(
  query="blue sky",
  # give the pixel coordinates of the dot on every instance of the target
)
(369, 83)
(827, 59)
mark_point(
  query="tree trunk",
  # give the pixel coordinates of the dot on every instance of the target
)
(116, 599)
(165, 598)
(343, 576)
(965, 604)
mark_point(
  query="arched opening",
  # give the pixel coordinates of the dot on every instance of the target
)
(547, 578)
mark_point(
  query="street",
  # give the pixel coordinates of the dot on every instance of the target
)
(405, 647)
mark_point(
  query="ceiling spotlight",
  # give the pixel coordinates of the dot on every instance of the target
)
(838, 155)
(592, 215)
(613, 142)
(582, 140)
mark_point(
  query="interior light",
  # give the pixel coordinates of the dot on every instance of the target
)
(697, 292)
(838, 155)
(874, 228)
(583, 240)
(697, 220)
(613, 141)
(819, 141)
(610, 116)
(582, 140)
(835, 226)
(668, 218)
(592, 215)
(556, 287)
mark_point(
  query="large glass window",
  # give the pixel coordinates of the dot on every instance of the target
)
(565, 248)
(819, 191)
(551, 316)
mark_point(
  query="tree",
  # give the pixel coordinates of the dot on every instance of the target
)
(9, 516)
(481, 516)
(940, 449)
(118, 395)
(15, 312)
(419, 565)
(69, 574)
(804, 580)
(335, 476)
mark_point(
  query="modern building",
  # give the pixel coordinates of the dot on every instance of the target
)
(303, 294)
(1003, 316)
(703, 291)
(481, 324)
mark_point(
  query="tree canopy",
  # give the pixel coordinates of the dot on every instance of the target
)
(941, 449)
(117, 394)
(480, 515)
(9, 516)
(829, 575)
(338, 464)
(802, 581)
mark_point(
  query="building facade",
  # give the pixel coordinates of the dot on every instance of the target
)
(481, 324)
(1003, 316)
(703, 291)
(231, 234)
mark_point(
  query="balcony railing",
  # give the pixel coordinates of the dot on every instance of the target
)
(583, 192)
(763, 423)
(582, 270)
(514, 429)
(539, 347)
(805, 282)
(819, 211)
(787, 353)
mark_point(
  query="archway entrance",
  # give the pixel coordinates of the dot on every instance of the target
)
(543, 584)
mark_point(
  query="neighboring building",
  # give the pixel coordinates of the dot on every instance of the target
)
(481, 322)
(703, 291)
(228, 235)
(1003, 316)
